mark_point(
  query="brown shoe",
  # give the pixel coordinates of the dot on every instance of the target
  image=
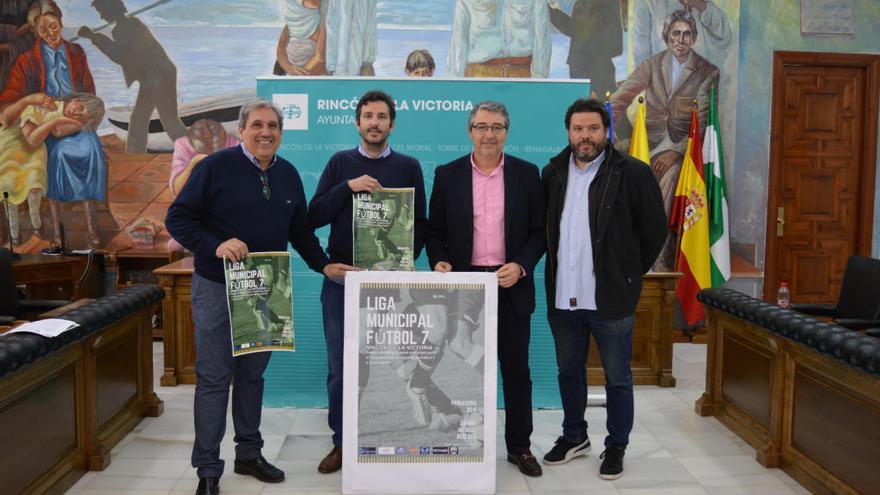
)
(526, 463)
(332, 462)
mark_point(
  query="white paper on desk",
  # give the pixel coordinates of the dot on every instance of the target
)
(50, 327)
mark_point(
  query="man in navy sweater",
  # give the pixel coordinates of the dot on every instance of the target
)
(237, 200)
(367, 168)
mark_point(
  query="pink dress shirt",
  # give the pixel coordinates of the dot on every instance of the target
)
(488, 192)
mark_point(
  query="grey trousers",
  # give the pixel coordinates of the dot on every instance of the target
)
(216, 369)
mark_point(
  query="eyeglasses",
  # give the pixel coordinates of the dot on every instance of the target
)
(264, 179)
(483, 128)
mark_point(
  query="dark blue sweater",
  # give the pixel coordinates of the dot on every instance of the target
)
(223, 198)
(332, 203)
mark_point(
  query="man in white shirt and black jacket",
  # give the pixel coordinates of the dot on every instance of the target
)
(605, 227)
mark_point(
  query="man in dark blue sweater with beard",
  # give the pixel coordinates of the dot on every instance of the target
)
(239, 200)
(367, 168)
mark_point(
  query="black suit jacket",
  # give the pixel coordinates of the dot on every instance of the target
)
(451, 221)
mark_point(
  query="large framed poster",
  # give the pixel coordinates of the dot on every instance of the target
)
(419, 384)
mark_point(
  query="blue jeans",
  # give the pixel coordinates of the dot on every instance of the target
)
(333, 304)
(216, 369)
(571, 333)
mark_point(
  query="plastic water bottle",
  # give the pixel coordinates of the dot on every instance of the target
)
(783, 295)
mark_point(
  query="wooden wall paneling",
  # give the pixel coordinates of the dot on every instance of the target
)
(827, 428)
(122, 356)
(151, 405)
(179, 338)
(705, 405)
(744, 398)
(40, 424)
(747, 377)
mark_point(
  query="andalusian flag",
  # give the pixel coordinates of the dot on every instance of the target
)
(638, 143)
(690, 216)
(716, 187)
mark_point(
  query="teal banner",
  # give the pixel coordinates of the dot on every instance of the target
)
(431, 125)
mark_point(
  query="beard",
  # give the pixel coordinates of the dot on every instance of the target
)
(592, 154)
(381, 140)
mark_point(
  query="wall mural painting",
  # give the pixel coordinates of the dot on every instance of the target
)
(173, 74)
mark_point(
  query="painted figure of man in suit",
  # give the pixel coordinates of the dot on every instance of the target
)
(596, 37)
(487, 214)
(671, 80)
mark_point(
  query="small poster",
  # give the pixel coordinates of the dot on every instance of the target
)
(259, 296)
(383, 229)
(419, 383)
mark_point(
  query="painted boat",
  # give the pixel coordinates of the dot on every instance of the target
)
(223, 108)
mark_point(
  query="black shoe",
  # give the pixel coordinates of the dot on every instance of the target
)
(208, 486)
(565, 451)
(260, 469)
(526, 463)
(612, 462)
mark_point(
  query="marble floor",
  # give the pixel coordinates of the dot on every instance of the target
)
(672, 450)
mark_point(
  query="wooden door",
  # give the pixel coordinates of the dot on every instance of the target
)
(823, 146)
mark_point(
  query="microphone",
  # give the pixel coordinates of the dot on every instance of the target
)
(15, 256)
(61, 234)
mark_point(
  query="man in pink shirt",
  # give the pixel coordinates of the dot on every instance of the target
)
(487, 214)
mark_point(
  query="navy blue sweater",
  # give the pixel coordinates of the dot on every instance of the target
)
(223, 198)
(332, 203)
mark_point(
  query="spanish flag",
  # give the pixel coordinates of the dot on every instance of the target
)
(690, 216)
(638, 142)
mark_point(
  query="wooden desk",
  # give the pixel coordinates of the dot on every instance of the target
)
(136, 266)
(61, 414)
(49, 277)
(813, 415)
(179, 330)
(652, 334)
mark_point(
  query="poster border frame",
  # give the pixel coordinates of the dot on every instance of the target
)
(399, 478)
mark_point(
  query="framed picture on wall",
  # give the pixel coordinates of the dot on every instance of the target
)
(827, 17)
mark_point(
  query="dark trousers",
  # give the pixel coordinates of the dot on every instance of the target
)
(333, 304)
(571, 334)
(513, 355)
(216, 369)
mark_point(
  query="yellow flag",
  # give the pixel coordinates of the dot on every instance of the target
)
(638, 143)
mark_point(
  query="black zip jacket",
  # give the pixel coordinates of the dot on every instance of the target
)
(627, 225)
